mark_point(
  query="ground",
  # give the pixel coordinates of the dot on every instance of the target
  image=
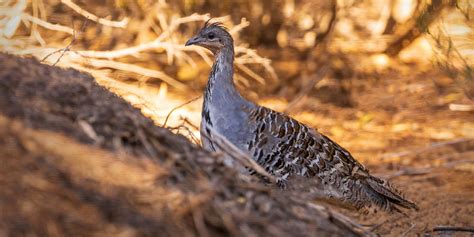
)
(78, 160)
(398, 124)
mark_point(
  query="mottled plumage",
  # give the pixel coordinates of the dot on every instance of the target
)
(280, 144)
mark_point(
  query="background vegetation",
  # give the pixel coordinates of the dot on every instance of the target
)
(390, 80)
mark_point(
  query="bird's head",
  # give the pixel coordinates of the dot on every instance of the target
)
(213, 36)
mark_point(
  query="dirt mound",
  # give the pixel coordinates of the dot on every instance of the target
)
(70, 168)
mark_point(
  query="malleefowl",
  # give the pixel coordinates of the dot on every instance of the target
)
(281, 145)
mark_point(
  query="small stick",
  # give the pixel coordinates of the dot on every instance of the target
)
(423, 171)
(454, 228)
(428, 148)
(99, 63)
(461, 107)
(47, 25)
(408, 172)
(190, 133)
(185, 120)
(251, 73)
(409, 229)
(179, 106)
(68, 47)
(237, 154)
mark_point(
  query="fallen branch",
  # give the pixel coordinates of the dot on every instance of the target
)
(430, 147)
(453, 228)
(423, 171)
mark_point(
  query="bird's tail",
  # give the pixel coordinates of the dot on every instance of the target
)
(385, 196)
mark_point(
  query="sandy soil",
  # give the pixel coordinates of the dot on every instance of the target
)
(77, 160)
(400, 126)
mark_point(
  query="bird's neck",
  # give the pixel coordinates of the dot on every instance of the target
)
(220, 87)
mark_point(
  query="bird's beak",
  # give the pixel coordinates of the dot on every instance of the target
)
(194, 40)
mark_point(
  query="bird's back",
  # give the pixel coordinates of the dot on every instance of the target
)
(286, 147)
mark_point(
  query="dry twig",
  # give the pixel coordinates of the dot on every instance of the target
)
(47, 25)
(135, 69)
(68, 47)
(179, 106)
(453, 228)
(409, 229)
(238, 155)
(165, 42)
(120, 24)
(455, 143)
(423, 171)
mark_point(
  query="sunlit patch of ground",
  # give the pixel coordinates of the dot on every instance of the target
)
(165, 108)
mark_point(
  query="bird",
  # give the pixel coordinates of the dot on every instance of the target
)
(283, 146)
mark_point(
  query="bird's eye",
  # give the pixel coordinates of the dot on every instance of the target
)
(211, 35)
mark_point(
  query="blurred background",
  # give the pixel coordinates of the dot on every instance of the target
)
(390, 80)
(377, 76)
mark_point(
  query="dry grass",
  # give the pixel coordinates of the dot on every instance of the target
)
(20, 17)
(29, 29)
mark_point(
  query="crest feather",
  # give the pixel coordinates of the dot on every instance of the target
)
(208, 23)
